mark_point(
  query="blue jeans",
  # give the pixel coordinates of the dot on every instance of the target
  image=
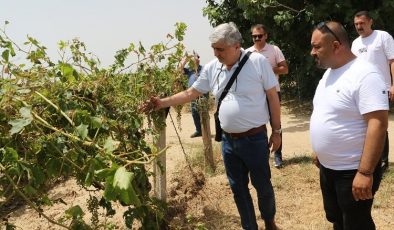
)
(341, 208)
(196, 116)
(249, 156)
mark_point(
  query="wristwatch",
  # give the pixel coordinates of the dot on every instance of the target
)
(278, 131)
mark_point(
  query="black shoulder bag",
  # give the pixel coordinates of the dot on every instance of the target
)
(219, 131)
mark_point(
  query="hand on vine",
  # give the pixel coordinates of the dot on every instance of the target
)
(153, 104)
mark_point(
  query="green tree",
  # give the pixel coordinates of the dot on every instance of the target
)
(290, 23)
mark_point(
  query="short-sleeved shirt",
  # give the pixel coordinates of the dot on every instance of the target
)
(273, 54)
(337, 126)
(191, 74)
(377, 48)
(245, 105)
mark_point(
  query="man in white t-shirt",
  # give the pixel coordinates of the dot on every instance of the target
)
(377, 47)
(347, 128)
(278, 63)
(243, 115)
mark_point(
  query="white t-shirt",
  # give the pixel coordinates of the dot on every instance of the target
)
(273, 54)
(377, 48)
(245, 105)
(337, 126)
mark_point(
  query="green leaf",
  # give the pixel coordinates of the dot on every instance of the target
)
(67, 71)
(26, 112)
(104, 173)
(122, 178)
(75, 212)
(96, 122)
(109, 192)
(5, 55)
(180, 30)
(29, 190)
(122, 184)
(82, 131)
(53, 167)
(45, 200)
(18, 125)
(10, 155)
(90, 173)
(38, 177)
(141, 48)
(110, 145)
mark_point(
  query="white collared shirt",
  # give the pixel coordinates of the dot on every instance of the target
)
(245, 105)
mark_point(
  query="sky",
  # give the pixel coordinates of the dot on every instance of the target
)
(106, 26)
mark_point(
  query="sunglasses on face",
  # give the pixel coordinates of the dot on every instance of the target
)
(259, 36)
(322, 26)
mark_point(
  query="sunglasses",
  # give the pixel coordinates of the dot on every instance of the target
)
(257, 36)
(323, 26)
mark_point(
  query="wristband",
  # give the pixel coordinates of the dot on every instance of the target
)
(365, 173)
(277, 131)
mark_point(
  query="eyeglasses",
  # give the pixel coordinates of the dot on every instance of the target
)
(254, 36)
(323, 26)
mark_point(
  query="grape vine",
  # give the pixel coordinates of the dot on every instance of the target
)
(73, 118)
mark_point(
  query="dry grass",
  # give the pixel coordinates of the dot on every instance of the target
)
(298, 197)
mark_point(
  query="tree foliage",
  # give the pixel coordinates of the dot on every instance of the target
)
(72, 118)
(290, 23)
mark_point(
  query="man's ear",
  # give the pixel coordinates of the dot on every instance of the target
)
(337, 45)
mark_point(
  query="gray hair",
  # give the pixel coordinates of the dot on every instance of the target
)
(227, 32)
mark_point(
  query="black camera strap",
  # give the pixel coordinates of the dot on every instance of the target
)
(232, 79)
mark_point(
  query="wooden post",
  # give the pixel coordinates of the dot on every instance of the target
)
(206, 133)
(159, 168)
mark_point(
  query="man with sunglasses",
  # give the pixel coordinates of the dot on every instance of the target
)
(278, 63)
(347, 128)
(377, 47)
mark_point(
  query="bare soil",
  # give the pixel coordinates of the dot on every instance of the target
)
(201, 199)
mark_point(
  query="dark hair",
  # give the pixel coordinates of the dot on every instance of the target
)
(363, 13)
(258, 26)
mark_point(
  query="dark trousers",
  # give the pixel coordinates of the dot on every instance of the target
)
(341, 208)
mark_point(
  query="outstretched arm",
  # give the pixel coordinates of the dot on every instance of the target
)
(156, 103)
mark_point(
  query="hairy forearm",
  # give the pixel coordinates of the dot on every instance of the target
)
(274, 105)
(180, 98)
(281, 68)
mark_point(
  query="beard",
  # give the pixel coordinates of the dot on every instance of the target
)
(319, 64)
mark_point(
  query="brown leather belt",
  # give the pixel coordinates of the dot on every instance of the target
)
(250, 132)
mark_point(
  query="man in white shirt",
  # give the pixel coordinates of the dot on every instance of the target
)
(377, 47)
(243, 115)
(278, 63)
(347, 128)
